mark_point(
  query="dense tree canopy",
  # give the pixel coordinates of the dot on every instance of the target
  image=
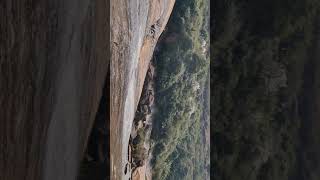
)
(182, 68)
(259, 53)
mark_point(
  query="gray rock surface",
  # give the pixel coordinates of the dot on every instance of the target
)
(53, 63)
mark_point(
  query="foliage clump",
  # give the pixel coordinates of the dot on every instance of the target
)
(182, 67)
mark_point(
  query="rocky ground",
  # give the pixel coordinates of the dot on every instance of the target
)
(136, 27)
(140, 147)
(53, 64)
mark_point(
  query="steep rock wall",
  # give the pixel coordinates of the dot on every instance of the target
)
(135, 28)
(53, 63)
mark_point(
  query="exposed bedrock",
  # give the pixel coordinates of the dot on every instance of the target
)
(135, 28)
(53, 63)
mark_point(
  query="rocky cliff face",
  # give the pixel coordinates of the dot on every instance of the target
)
(141, 131)
(135, 28)
(53, 63)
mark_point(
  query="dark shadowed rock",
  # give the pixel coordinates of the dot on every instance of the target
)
(53, 63)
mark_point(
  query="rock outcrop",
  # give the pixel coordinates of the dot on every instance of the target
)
(141, 174)
(141, 130)
(136, 27)
(53, 64)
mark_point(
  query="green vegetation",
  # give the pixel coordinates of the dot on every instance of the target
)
(259, 53)
(182, 68)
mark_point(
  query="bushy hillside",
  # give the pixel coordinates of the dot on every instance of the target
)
(182, 67)
(260, 50)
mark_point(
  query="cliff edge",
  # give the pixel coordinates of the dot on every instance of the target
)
(135, 28)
